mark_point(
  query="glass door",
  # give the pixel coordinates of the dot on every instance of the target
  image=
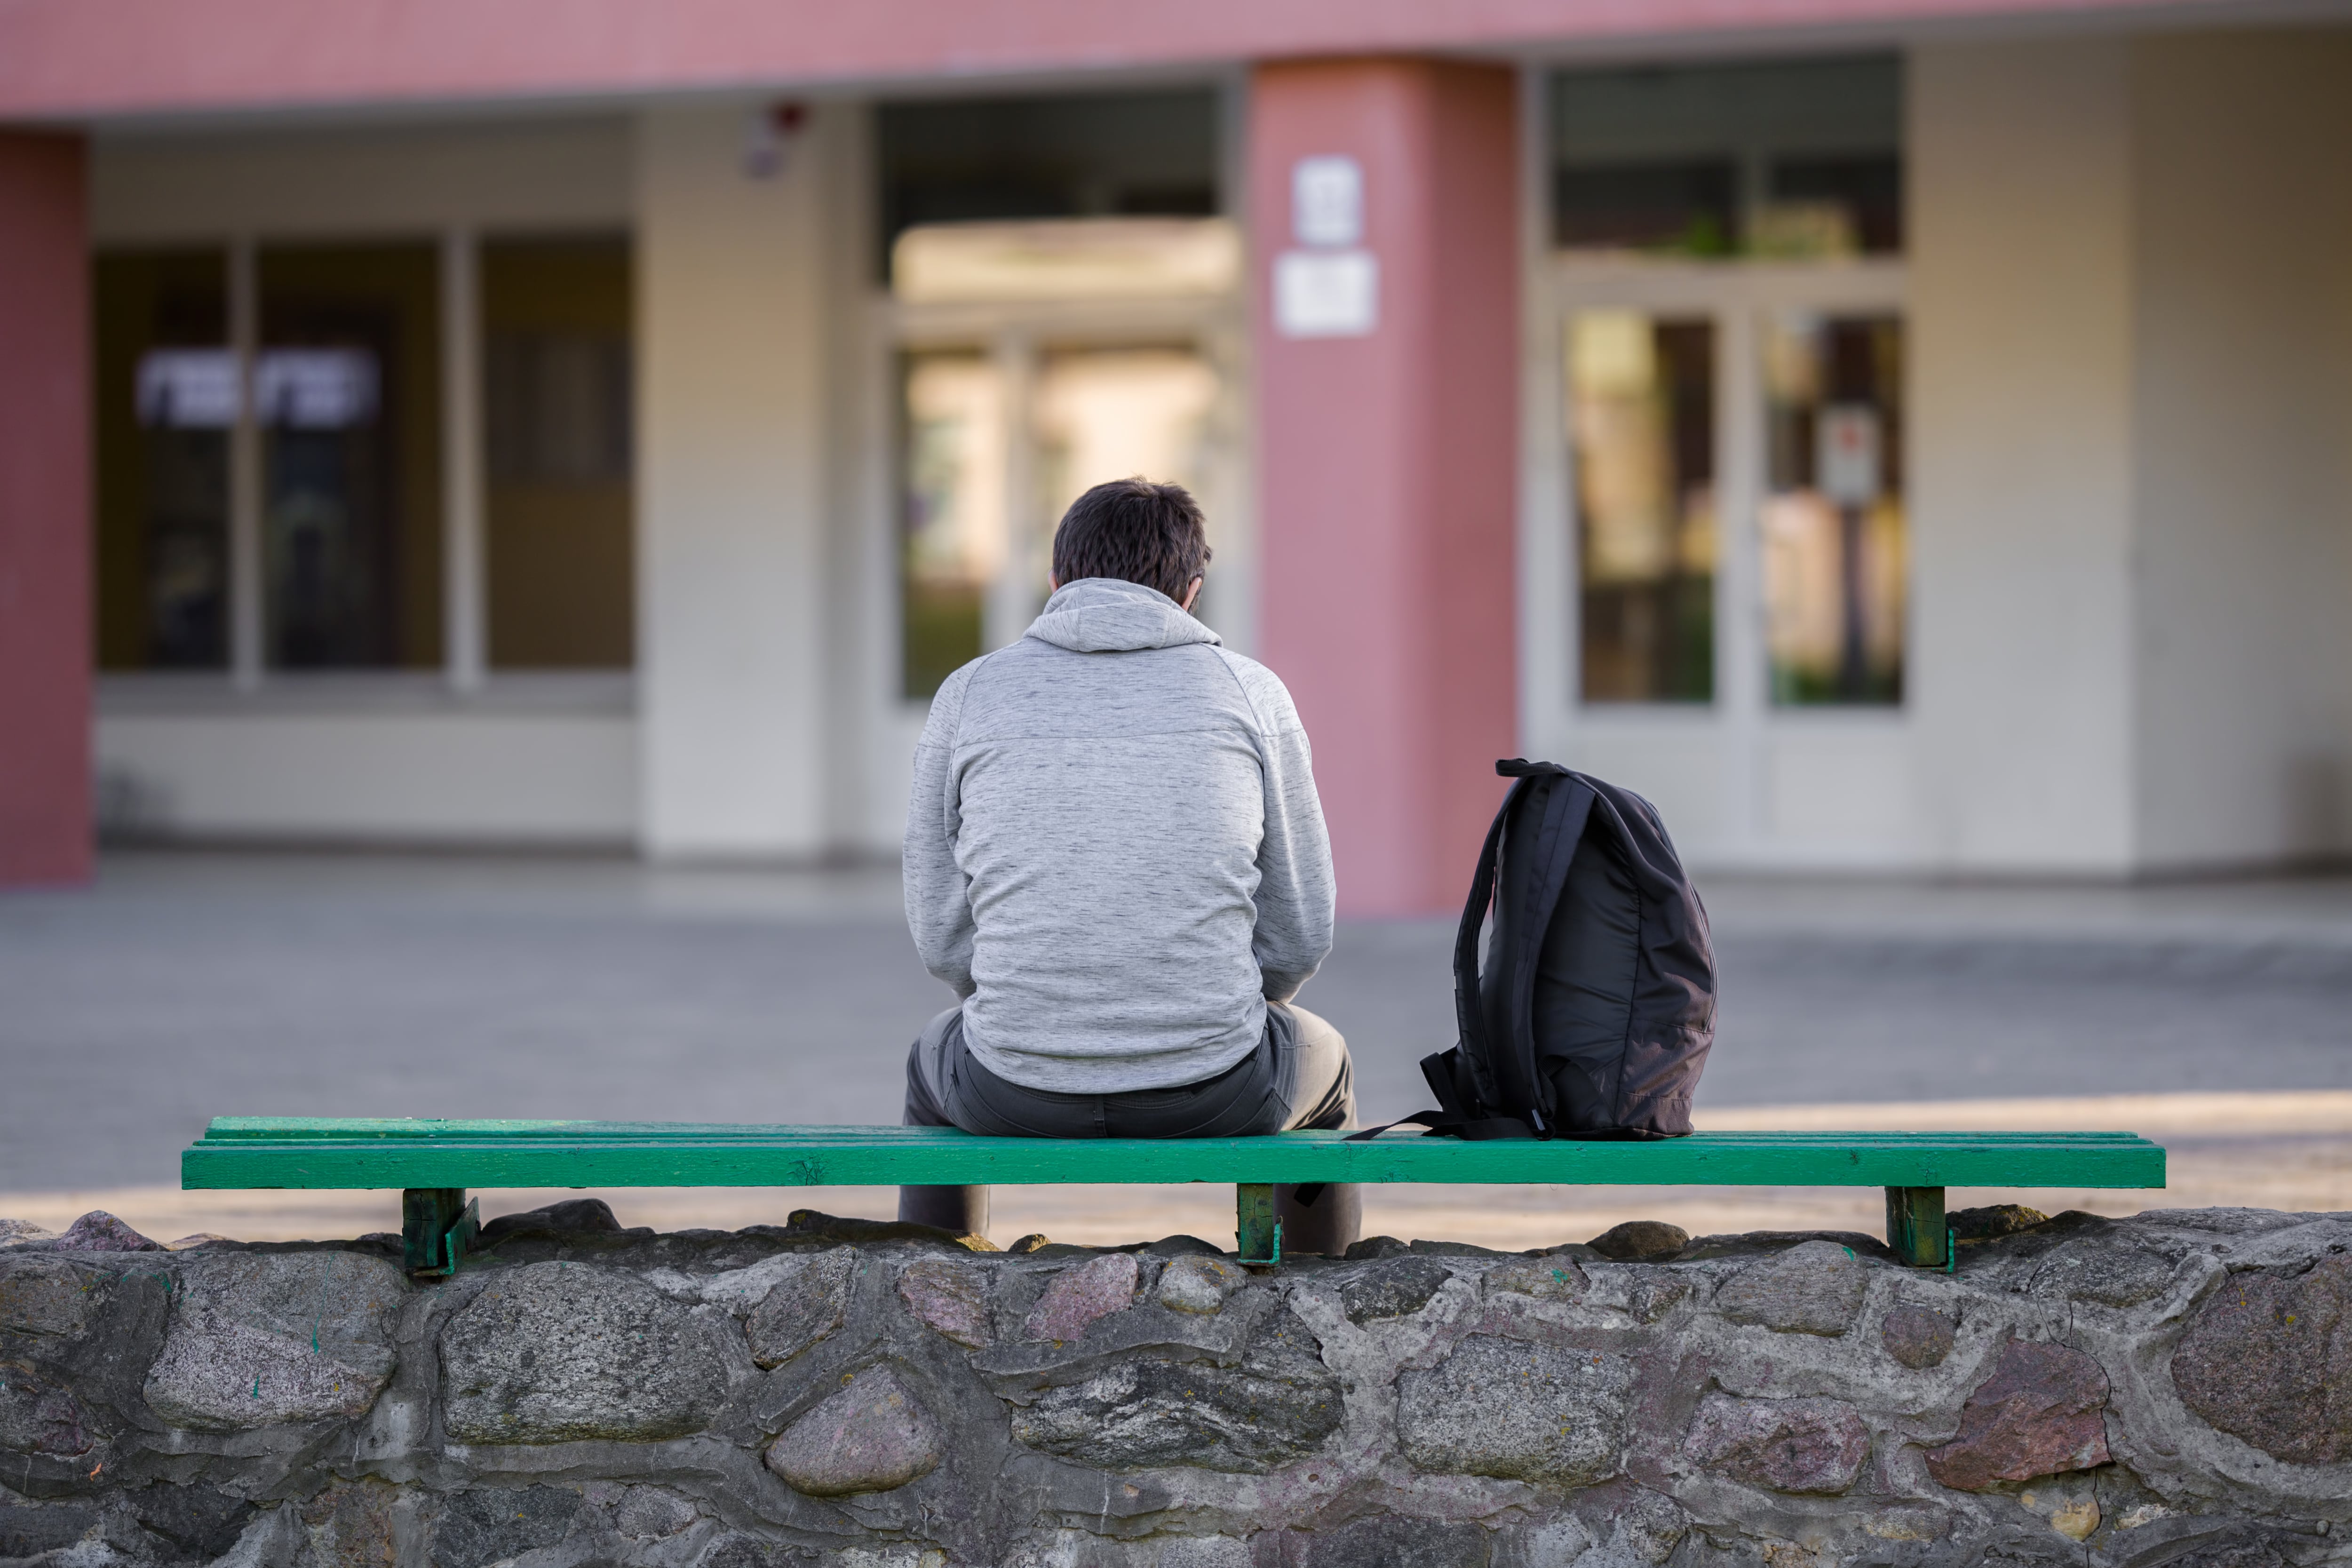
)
(1728, 464)
(995, 444)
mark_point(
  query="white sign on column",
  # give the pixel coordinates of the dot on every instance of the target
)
(1330, 285)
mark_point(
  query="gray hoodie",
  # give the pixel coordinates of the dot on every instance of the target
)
(1114, 850)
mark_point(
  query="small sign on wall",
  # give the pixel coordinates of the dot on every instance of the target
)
(1327, 201)
(1326, 293)
(1330, 287)
(1846, 466)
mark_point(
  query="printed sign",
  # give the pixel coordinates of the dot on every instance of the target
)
(1846, 467)
(1326, 293)
(1327, 201)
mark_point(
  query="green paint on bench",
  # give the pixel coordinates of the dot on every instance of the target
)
(285, 1152)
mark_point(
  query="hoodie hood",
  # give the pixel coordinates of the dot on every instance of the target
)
(1104, 615)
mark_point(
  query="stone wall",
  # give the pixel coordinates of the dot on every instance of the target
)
(2174, 1389)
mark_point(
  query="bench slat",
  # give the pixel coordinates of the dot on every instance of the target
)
(247, 1153)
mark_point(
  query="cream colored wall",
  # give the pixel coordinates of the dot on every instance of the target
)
(397, 757)
(435, 772)
(2243, 236)
(2022, 282)
(735, 422)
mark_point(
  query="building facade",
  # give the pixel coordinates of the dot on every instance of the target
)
(1892, 434)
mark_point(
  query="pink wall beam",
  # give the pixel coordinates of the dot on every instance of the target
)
(69, 59)
(1387, 462)
(44, 506)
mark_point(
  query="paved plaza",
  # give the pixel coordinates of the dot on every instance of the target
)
(189, 985)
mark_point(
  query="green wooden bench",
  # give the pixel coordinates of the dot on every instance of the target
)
(434, 1163)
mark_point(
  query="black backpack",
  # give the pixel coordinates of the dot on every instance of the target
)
(1597, 1007)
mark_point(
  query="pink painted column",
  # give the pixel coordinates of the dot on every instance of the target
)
(1388, 457)
(45, 512)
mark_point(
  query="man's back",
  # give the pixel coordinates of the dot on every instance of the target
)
(1114, 850)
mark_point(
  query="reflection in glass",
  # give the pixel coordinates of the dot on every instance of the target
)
(1641, 428)
(1834, 535)
(952, 540)
(1782, 160)
(556, 409)
(167, 395)
(1073, 258)
(347, 391)
(1115, 414)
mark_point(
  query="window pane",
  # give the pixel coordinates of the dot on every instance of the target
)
(1833, 533)
(1069, 155)
(557, 523)
(952, 542)
(1781, 159)
(347, 391)
(1113, 413)
(1641, 428)
(166, 389)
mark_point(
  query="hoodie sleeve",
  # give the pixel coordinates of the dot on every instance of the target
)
(938, 904)
(1296, 889)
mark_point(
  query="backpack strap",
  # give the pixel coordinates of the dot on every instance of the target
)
(1457, 1117)
(1469, 1015)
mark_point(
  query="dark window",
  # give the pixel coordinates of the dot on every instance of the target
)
(166, 395)
(1788, 159)
(1692, 208)
(1140, 155)
(557, 521)
(1642, 432)
(347, 390)
(1868, 189)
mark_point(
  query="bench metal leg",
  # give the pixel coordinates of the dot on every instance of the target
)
(1259, 1233)
(438, 1227)
(1914, 1226)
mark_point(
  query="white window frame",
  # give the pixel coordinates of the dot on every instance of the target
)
(464, 675)
(1017, 337)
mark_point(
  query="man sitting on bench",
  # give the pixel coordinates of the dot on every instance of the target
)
(1116, 857)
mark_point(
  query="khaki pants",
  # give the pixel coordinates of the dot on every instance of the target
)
(1300, 1077)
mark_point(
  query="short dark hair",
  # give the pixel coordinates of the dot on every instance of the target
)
(1135, 530)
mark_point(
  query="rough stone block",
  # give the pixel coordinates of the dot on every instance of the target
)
(805, 1305)
(198, 1522)
(50, 1296)
(951, 1298)
(261, 1338)
(1395, 1542)
(98, 1231)
(39, 1415)
(1814, 1288)
(1394, 1289)
(1279, 1404)
(2041, 1412)
(1789, 1445)
(1197, 1284)
(560, 1351)
(1639, 1240)
(1545, 1278)
(493, 1524)
(873, 1436)
(29, 1530)
(652, 1513)
(1095, 1289)
(350, 1525)
(2268, 1359)
(1919, 1337)
(1518, 1411)
(2113, 1276)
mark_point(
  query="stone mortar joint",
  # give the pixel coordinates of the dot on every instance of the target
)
(2173, 1389)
